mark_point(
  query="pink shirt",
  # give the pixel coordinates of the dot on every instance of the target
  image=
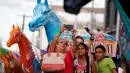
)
(79, 68)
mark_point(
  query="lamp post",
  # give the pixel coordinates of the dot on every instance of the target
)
(92, 14)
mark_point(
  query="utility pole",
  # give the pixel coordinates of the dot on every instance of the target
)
(117, 26)
(23, 21)
(92, 15)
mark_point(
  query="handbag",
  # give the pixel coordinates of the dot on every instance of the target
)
(52, 62)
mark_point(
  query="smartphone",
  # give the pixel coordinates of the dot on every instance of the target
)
(68, 26)
(86, 28)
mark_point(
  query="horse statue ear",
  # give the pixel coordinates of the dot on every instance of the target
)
(46, 3)
(13, 26)
(38, 1)
(18, 28)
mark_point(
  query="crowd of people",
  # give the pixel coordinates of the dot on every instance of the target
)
(77, 55)
(78, 58)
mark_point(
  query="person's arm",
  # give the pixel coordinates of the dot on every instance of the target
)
(124, 68)
(90, 41)
(73, 50)
(93, 66)
(55, 40)
(114, 70)
(91, 38)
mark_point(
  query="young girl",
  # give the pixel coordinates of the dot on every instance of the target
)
(82, 62)
(104, 65)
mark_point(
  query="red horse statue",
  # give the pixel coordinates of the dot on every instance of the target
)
(26, 53)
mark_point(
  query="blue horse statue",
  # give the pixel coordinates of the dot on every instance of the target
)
(43, 16)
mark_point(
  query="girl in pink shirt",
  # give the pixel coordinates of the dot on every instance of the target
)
(82, 64)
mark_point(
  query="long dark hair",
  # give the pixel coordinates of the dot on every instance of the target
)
(84, 45)
(87, 57)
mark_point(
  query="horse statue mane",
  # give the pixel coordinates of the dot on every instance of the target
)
(26, 52)
(10, 60)
(43, 16)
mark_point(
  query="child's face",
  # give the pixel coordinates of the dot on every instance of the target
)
(79, 40)
(100, 54)
(81, 50)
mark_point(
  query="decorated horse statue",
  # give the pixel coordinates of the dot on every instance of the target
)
(11, 61)
(43, 16)
(2, 68)
(28, 59)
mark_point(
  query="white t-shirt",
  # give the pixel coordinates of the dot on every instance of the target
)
(120, 70)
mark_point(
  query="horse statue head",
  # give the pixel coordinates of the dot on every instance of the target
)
(26, 52)
(14, 36)
(43, 16)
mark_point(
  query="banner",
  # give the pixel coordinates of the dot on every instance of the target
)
(125, 5)
(124, 36)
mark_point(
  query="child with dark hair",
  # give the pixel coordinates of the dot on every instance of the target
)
(104, 65)
(81, 64)
(79, 39)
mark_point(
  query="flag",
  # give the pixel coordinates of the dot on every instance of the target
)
(124, 28)
(124, 36)
(74, 6)
(125, 5)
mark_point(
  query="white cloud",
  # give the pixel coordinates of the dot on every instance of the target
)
(7, 17)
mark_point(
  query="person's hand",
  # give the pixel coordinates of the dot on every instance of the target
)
(88, 30)
(62, 28)
(73, 32)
